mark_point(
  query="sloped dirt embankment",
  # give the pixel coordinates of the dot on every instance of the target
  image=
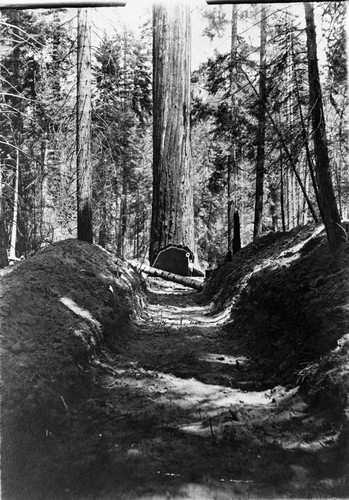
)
(289, 299)
(57, 309)
(112, 390)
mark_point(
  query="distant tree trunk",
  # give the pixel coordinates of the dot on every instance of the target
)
(3, 232)
(258, 216)
(138, 225)
(327, 199)
(83, 128)
(102, 235)
(273, 205)
(307, 149)
(103, 227)
(172, 209)
(231, 184)
(18, 110)
(15, 213)
(45, 198)
(123, 215)
(234, 240)
(282, 193)
(236, 234)
(304, 209)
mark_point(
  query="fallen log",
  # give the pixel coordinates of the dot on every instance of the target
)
(165, 275)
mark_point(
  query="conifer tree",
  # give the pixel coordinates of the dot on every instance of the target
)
(258, 217)
(327, 199)
(83, 128)
(172, 211)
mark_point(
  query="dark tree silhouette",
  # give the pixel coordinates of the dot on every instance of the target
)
(326, 198)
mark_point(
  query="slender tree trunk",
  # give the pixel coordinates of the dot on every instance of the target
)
(258, 216)
(282, 193)
(236, 233)
(123, 217)
(172, 210)
(102, 235)
(12, 255)
(117, 211)
(45, 202)
(327, 199)
(234, 240)
(306, 144)
(306, 184)
(3, 232)
(273, 205)
(103, 228)
(292, 201)
(15, 76)
(287, 199)
(83, 128)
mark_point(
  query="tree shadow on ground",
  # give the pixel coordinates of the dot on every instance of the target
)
(129, 440)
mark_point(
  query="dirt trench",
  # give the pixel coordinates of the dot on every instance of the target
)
(179, 413)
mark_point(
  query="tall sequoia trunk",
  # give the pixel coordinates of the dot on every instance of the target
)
(261, 128)
(326, 197)
(83, 128)
(172, 210)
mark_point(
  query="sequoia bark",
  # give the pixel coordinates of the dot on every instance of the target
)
(172, 210)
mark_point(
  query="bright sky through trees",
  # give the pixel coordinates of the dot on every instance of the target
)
(137, 12)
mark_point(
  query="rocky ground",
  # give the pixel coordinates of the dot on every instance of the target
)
(116, 387)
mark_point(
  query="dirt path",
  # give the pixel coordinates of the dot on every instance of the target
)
(181, 413)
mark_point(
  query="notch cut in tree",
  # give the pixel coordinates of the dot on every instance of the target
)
(177, 260)
(83, 128)
(172, 210)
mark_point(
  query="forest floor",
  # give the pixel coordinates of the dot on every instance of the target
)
(194, 396)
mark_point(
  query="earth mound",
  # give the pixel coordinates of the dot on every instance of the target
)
(57, 309)
(289, 300)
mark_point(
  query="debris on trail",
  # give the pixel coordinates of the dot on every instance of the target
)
(175, 278)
